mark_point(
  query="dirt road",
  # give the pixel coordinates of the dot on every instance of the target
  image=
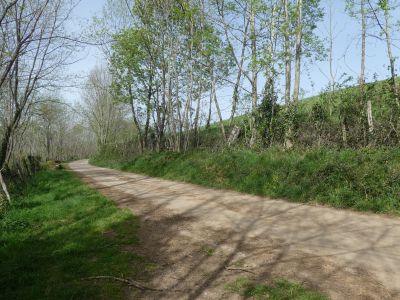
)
(204, 238)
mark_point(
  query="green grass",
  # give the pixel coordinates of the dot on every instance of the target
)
(364, 179)
(60, 231)
(279, 290)
(208, 250)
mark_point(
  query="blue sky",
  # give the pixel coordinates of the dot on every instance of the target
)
(346, 51)
(88, 57)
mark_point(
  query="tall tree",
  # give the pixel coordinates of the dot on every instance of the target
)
(33, 45)
(299, 37)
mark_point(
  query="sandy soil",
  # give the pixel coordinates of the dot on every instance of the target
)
(198, 236)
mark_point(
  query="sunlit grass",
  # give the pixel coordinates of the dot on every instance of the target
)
(279, 290)
(60, 231)
(365, 179)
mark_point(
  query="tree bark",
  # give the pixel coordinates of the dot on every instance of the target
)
(288, 58)
(214, 95)
(4, 188)
(254, 76)
(190, 88)
(390, 55)
(299, 36)
(364, 101)
(148, 110)
(288, 76)
(235, 97)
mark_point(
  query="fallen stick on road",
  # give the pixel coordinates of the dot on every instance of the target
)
(129, 282)
(239, 269)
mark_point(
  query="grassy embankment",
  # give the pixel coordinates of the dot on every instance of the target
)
(58, 232)
(365, 179)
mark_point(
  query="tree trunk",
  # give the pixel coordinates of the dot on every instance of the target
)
(370, 118)
(332, 83)
(190, 88)
(4, 188)
(269, 88)
(3, 157)
(235, 97)
(368, 106)
(135, 120)
(148, 110)
(390, 55)
(288, 75)
(214, 93)
(209, 111)
(288, 59)
(254, 72)
(299, 35)
(197, 118)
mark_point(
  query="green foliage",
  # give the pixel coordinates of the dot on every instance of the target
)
(208, 250)
(365, 179)
(60, 231)
(281, 289)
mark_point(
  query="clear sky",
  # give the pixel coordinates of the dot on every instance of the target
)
(346, 51)
(90, 56)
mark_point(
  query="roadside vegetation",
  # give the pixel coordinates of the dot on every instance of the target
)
(60, 232)
(281, 289)
(364, 179)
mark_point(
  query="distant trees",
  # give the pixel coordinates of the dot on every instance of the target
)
(101, 112)
(32, 49)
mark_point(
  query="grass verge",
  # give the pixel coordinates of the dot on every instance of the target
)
(60, 231)
(280, 290)
(365, 180)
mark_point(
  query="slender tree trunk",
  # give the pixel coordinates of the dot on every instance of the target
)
(190, 90)
(4, 188)
(3, 158)
(269, 89)
(200, 92)
(363, 42)
(148, 110)
(209, 111)
(180, 122)
(288, 78)
(197, 118)
(214, 95)
(299, 36)
(254, 77)
(288, 58)
(135, 120)
(369, 117)
(390, 54)
(365, 101)
(163, 112)
(235, 97)
(171, 118)
(332, 83)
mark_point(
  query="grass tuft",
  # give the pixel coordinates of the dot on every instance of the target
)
(279, 290)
